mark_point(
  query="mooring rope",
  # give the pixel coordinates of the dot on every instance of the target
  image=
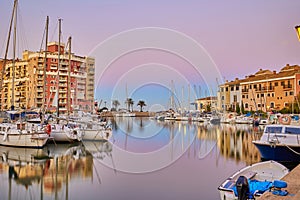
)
(292, 150)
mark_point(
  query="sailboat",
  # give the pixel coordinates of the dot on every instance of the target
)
(18, 134)
(62, 130)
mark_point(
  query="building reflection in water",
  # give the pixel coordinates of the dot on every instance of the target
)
(233, 142)
(48, 171)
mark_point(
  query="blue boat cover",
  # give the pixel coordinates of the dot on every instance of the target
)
(256, 186)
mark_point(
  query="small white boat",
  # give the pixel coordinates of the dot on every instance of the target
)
(22, 134)
(215, 119)
(258, 178)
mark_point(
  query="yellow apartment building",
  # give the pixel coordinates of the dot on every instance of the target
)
(267, 90)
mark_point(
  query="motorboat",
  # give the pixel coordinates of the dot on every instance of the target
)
(252, 180)
(280, 142)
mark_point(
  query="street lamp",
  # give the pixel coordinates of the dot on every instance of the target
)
(298, 31)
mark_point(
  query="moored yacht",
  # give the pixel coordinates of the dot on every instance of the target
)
(280, 142)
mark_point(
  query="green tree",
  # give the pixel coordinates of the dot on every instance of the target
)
(115, 104)
(242, 107)
(237, 109)
(141, 103)
(129, 102)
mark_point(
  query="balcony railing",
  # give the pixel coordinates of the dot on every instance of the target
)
(263, 89)
(287, 86)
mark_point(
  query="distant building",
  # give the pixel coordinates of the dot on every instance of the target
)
(206, 104)
(229, 96)
(29, 81)
(265, 90)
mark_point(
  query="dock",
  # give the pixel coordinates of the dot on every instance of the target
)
(293, 187)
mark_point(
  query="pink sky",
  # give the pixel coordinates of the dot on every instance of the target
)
(240, 37)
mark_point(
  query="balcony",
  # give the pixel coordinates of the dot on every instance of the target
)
(63, 79)
(287, 87)
(245, 90)
(62, 91)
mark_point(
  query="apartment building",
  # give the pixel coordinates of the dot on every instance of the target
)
(229, 95)
(70, 83)
(206, 103)
(266, 90)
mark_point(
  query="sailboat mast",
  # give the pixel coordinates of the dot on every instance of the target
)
(6, 50)
(14, 62)
(69, 78)
(45, 65)
(58, 65)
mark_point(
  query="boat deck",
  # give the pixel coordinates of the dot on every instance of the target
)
(293, 187)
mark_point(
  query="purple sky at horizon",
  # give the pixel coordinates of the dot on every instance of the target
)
(239, 37)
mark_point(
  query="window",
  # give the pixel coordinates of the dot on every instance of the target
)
(286, 93)
(262, 95)
(243, 96)
(246, 105)
(226, 89)
(234, 98)
(232, 88)
(250, 86)
(286, 104)
(257, 95)
(269, 94)
(282, 83)
(276, 83)
(254, 86)
(273, 94)
(237, 88)
(272, 104)
(258, 105)
(298, 82)
(291, 93)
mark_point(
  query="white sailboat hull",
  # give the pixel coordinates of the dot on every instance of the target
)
(32, 140)
(97, 135)
(61, 133)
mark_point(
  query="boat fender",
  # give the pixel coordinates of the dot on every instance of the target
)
(279, 184)
(280, 192)
(48, 129)
(5, 136)
(285, 120)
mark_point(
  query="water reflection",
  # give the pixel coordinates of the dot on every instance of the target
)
(201, 151)
(47, 173)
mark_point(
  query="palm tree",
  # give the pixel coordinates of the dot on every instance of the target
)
(115, 104)
(141, 103)
(129, 102)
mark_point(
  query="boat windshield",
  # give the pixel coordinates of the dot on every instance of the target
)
(293, 130)
(273, 129)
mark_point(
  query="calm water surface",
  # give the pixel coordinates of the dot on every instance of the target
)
(145, 159)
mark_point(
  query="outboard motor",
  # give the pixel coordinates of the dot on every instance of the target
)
(242, 188)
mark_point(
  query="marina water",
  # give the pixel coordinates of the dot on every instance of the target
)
(145, 159)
